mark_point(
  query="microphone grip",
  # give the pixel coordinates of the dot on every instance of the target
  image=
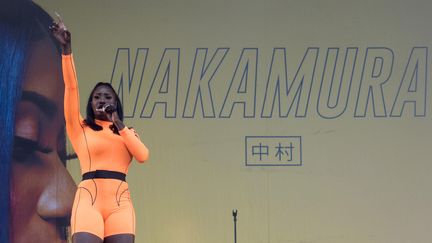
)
(109, 109)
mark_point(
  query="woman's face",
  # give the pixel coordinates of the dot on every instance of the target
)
(42, 189)
(102, 95)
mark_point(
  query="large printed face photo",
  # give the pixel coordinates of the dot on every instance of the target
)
(42, 190)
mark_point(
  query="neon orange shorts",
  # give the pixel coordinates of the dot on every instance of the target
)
(103, 207)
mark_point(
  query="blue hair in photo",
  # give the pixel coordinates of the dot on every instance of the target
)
(21, 22)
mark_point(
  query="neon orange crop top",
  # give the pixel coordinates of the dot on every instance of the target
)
(97, 150)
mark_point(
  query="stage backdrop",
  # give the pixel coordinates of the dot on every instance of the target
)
(311, 118)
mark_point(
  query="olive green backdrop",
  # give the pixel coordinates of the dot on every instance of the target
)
(204, 83)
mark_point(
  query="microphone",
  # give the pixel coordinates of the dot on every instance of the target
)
(107, 108)
(234, 212)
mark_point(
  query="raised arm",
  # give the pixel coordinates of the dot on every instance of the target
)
(71, 96)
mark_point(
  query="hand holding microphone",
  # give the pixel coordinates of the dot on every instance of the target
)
(110, 111)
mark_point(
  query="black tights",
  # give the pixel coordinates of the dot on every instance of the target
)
(83, 237)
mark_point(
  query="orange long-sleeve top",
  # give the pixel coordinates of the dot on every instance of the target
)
(97, 150)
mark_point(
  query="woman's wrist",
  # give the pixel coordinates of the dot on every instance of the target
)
(66, 49)
(119, 124)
